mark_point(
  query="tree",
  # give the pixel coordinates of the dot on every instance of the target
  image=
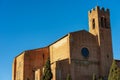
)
(68, 77)
(47, 74)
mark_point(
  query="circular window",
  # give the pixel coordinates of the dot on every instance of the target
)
(85, 52)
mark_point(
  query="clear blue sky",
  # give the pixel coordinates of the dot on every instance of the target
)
(29, 24)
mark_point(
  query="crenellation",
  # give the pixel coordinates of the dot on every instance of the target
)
(98, 9)
(89, 11)
(94, 9)
(103, 9)
(107, 10)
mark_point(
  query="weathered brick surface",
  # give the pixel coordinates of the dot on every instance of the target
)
(84, 68)
(28, 62)
(66, 56)
(59, 51)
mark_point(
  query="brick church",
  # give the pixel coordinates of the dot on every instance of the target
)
(80, 54)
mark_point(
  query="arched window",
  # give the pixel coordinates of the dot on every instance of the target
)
(93, 23)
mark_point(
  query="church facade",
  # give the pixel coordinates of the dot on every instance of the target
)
(80, 54)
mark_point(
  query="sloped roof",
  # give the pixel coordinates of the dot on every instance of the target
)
(80, 31)
(83, 31)
(29, 50)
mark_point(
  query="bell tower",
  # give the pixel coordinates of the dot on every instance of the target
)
(99, 26)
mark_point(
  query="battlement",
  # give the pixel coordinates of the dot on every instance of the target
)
(98, 9)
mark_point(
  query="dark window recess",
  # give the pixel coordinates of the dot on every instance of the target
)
(105, 22)
(93, 23)
(102, 21)
(107, 56)
(33, 71)
(28, 79)
(33, 75)
(43, 55)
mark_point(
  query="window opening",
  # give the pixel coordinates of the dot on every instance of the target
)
(102, 21)
(93, 22)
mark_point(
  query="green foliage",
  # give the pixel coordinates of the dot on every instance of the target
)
(114, 72)
(47, 74)
(68, 77)
(119, 77)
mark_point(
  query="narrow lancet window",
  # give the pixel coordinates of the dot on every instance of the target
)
(102, 21)
(93, 23)
(105, 22)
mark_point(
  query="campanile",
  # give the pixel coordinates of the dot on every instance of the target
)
(99, 26)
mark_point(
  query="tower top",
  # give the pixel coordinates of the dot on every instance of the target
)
(99, 18)
(97, 8)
